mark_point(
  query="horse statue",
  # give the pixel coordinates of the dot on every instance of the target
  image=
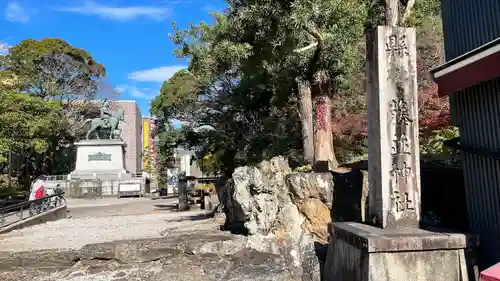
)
(109, 124)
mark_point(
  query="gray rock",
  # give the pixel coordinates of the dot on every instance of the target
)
(215, 258)
(311, 185)
(284, 213)
(60, 258)
(312, 193)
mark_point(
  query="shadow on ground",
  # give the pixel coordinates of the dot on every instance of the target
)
(166, 207)
(163, 197)
(175, 207)
(193, 218)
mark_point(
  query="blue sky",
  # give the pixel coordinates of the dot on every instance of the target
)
(130, 37)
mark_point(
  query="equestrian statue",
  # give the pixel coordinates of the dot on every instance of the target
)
(107, 122)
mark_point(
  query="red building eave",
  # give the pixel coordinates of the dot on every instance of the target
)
(472, 68)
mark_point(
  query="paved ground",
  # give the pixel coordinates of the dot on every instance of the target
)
(94, 221)
(97, 207)
(133, 240)
(119, 207)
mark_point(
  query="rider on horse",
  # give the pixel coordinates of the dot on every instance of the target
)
(105, 112)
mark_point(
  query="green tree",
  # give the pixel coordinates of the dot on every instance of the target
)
(20, 129)
(302, 46)
(252, 76)
(57, 76)
(26, 130)
(52, 68)
(168, 139)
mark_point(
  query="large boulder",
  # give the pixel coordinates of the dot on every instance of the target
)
(282, 212)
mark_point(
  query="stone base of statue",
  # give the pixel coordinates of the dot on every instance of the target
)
(102, 159)
(359, 252)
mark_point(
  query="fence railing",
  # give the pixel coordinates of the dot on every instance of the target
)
(24, 210)
(57, 177)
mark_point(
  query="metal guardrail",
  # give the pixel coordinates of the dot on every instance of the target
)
(57, 177)
(27, 209)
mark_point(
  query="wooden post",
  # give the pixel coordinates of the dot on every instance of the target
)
(182, 191)
(393, 156)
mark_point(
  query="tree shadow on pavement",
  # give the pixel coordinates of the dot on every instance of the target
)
(166, 207)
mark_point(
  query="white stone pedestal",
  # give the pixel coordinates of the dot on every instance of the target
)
(99, 157)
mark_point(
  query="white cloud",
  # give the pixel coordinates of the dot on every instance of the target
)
(159, 74)
(209, 8)
(140, 94)
(136, 92)
(122, 88)
(119, 13)
(15, 12)
(4, 48)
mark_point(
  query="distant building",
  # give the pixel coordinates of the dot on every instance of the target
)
(131, 135)
(184, 162)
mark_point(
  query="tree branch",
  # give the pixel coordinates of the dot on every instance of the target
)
(303, 49)
(314, 33)
(408, 9)
(312, 65)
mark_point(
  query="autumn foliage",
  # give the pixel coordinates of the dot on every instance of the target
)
(434, 114)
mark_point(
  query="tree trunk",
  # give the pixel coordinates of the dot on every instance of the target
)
(392, 12)
(306, 118)
(324, 155)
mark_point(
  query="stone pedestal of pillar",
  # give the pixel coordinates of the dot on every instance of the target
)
(359, 252)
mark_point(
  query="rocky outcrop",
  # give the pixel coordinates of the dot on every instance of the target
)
(282, 212)
(312, 193)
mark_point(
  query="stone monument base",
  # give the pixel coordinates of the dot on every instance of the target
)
(359, 252)
(101, 158)
(99, 170)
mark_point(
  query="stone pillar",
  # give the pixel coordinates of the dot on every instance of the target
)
(393, 247)
(182, 190)
(393, 157)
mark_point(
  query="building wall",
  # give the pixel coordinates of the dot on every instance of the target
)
(183, 160)
(148, 142)
(131, 134)
(467, 25)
